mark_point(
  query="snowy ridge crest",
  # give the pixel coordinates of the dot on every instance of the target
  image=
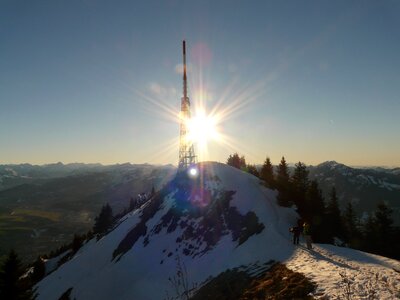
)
(200, 215)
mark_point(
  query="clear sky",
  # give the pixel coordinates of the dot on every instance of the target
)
(99, 81)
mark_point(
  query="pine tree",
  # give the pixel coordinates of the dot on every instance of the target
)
(242, 163)
(333, 216)
(12, 287)
(299, 184)
(39, 270)
(104, 221)
(314, 211)
(267, 173)
(383, 217)
(236, 161)
(253, 170)
(283, 184)
(370, 239)
(77, 243)
(350, 222)
(282, 177)
(379, 235)
(384, 228)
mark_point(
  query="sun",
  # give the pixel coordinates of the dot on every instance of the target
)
(202, 128)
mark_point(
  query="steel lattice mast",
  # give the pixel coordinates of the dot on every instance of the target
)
(187, 156)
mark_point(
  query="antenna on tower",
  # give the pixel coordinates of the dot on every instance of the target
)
(184, 71)
(187, 156)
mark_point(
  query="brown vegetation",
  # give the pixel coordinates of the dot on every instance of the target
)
(276, 283)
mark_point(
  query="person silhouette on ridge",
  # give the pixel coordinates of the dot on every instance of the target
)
(307, 235)
(296, 234)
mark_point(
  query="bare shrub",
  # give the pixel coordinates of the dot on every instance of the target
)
(368, 290)
(180, 283)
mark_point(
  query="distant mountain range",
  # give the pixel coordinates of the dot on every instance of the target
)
(363, 187)
(13, 175)
(47, 204)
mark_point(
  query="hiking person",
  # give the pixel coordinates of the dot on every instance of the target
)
(296, 234)
(307, 234)
(300, 223)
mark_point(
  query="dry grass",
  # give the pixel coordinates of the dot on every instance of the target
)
(276, 283)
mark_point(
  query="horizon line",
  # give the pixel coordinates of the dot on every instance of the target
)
(356, 166)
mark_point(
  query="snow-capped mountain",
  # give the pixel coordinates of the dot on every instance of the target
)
(379, 177)
(364, 187)
(221, 219)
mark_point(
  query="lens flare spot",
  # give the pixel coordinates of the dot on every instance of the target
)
(193, 172)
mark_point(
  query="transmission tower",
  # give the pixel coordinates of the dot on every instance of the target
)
(186, 148)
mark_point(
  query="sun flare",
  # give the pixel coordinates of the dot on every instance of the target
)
(203, 128)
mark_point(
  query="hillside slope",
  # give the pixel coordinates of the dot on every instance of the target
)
(220, 220)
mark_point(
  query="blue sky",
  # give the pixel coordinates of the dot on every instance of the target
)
(88, 81)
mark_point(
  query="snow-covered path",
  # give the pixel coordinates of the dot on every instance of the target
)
(331, 267)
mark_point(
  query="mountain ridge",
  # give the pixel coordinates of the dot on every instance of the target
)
(97, 271)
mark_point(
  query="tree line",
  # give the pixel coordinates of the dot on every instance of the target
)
(330, 223)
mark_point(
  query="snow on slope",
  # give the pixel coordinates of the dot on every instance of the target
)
(368, 274)
(223, 219)
(200, 226)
